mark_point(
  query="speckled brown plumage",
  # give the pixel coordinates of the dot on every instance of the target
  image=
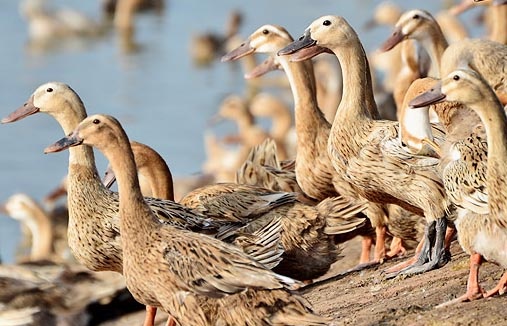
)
(175, 269)
(307, 231)
(476, 188)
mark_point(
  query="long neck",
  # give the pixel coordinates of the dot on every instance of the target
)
(308, 117)
(357, 98)
(493, 116)
(435, 45)
(42, 234)
(496, 131)
(135, 214)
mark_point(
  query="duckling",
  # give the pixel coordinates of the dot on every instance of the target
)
(199, 275)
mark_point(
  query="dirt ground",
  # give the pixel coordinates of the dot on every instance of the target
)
(366, 298)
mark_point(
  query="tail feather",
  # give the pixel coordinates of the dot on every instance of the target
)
(342, 215)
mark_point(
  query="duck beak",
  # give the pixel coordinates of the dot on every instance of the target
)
(109, 177)
(434, 95)
(239, 52)
(64, 143)
(266, 66)
(308, 53)
(27, 109)
(396, 37)
(305, 41)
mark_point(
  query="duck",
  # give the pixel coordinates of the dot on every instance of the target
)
(93, 231)
(47, 232)
(205, 47)
(314, 171)
(409, 181)
(48, 26)
(481, 235)
(198, 275)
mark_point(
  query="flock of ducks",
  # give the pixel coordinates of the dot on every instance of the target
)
(237, 252)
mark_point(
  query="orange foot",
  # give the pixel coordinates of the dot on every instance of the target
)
(499, 288)
(474, 290)
(396, 249)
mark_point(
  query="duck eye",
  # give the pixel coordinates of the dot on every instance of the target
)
(49, 90)
(416, 16)
(265, 32)
(96, 121)
(326, 23)
(455, 77)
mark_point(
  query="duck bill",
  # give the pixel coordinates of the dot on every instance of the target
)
(27, 109)
(239, 52)
(266, 66)
(434, 95)
(64, 143)
(396, 37)
(308, 53)
(305, 41)
(109, 178)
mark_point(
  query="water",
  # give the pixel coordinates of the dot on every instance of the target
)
(158, 94)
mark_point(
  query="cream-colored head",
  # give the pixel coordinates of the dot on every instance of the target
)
(466, 86)
(20, 207)
(55, 99)
(414, 24)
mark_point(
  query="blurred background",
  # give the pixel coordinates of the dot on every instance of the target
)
(145, 73)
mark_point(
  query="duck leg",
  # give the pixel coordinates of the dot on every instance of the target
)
(474, 290)
(366, 244)
(499, 288)
(149, 318)
(435, 258)
(380, 244)
(421, 256)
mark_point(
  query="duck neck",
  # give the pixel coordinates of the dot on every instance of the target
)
(357, 99)
(309, 119)
(135, 214)
(39, 225)
(496, 131)
(79, 155)
(435, 45)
